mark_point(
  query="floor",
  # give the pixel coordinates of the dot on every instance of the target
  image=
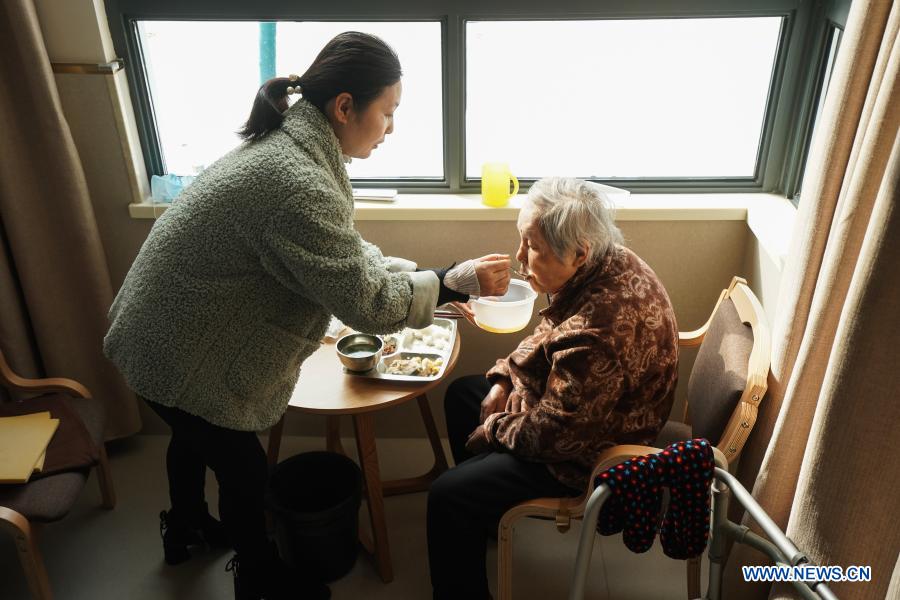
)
(96, 554)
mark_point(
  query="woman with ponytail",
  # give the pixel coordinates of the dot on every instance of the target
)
(237, 281)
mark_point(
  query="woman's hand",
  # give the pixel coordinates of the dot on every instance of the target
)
(493, 274)
(495, 401)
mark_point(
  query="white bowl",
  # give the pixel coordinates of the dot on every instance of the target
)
(508, 313)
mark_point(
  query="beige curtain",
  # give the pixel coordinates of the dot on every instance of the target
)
(54, 282)
(822, 460)
(894, 590)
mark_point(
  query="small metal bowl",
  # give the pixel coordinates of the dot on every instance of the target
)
(359, 352)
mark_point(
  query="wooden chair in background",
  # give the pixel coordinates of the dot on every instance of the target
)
(25, 507)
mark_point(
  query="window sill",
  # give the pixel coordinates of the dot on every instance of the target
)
(769, 216)
(468, 207)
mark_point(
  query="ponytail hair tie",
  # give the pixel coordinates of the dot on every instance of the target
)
(293, 89)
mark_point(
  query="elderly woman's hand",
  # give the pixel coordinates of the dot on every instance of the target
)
(478, 442)
(514, 402)
(485, 276)
(495, 401)
(493, 274)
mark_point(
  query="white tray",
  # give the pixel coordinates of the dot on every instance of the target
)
(409, 347)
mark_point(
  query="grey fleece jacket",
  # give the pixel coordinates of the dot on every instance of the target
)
(236, 283)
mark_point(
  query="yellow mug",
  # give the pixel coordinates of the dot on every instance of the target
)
(495, 180)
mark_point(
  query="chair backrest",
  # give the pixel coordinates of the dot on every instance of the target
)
(729, 376)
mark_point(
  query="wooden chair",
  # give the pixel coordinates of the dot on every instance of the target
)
(25, 507)
(727, 383)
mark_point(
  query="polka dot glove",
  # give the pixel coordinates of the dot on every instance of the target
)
(686, 468)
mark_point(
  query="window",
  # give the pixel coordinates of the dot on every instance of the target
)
(666, 98)
(204, 75)
(698, 95)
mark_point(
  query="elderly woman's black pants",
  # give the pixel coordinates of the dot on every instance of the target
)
(465, 503)
(239, 462)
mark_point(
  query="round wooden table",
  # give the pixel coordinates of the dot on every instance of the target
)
(325, 388)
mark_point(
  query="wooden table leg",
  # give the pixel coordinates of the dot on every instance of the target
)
(364, 424)
(275, 441)
(440, 459)
(421, 483)
(333, 435)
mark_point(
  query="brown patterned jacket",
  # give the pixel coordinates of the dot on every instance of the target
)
(599, 370)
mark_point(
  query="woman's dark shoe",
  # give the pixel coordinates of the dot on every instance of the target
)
(211, 530)
(179, 532)
(176, 537)
(272, 579)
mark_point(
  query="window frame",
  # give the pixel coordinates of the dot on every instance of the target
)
(833, 35)
(828, 20)
(789, 95)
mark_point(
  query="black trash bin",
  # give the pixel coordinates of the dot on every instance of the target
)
(314, 498)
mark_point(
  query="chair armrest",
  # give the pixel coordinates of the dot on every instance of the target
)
(49, 384)
(562, 510)
(13, 521)
(10, 380)
(615, 455)
(691, 339)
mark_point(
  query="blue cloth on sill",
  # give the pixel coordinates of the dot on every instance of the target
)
(166, 188)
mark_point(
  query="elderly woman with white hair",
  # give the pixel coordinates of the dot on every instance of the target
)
(599, 370)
